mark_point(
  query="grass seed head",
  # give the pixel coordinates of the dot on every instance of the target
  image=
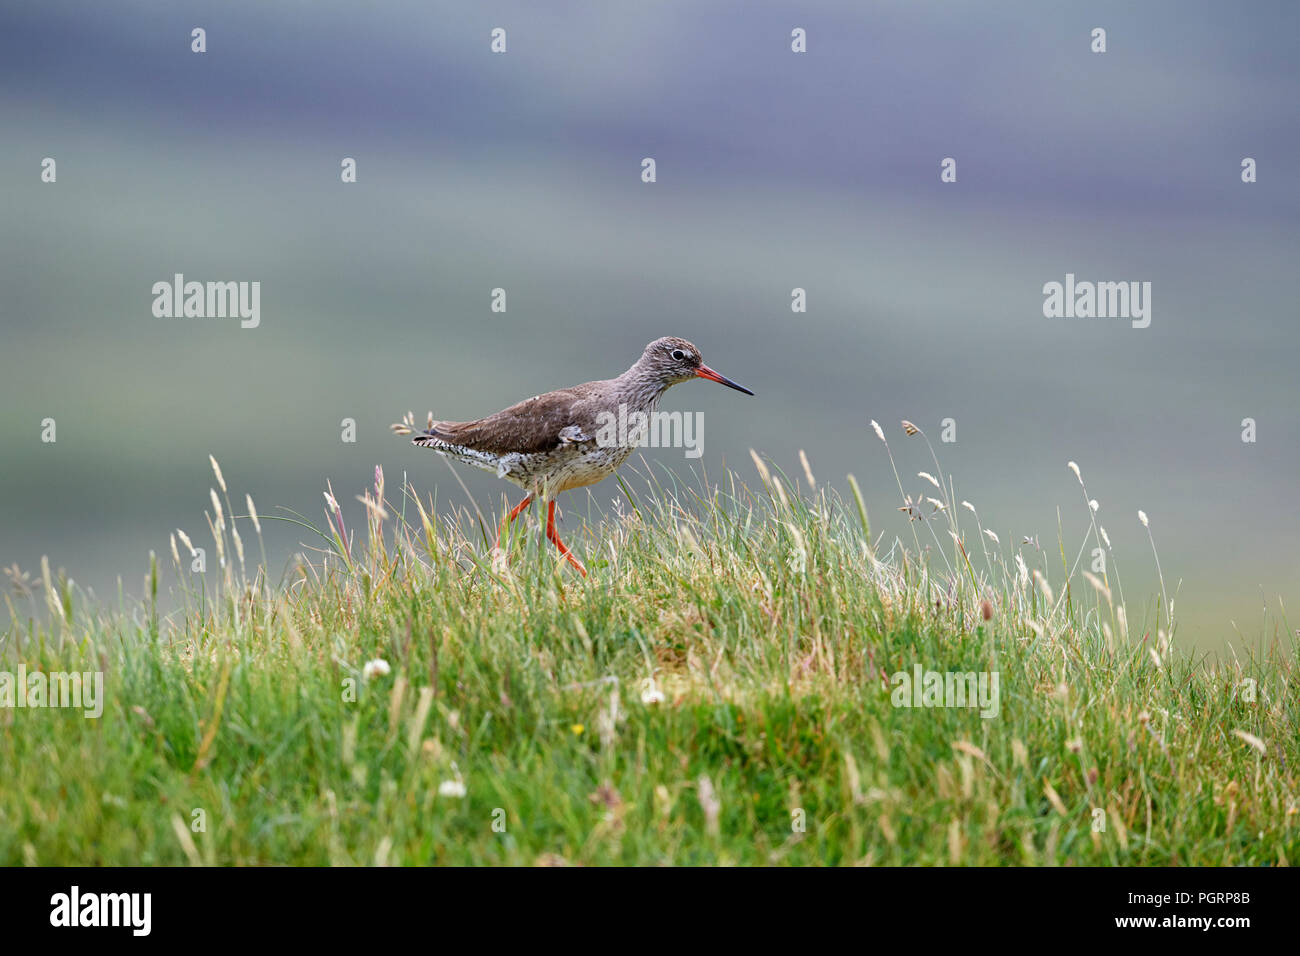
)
(807, 470)
(216, 469)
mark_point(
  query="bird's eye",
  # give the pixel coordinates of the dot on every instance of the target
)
(678, 354)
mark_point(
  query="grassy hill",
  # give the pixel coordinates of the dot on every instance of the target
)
(725, 687)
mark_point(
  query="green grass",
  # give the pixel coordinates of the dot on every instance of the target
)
(768, 619)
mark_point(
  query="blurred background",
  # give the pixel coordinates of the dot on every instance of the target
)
(775, 170)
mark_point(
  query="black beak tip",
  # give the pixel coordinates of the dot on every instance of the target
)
(723, 380)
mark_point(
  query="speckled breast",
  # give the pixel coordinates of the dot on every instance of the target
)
(566, 467)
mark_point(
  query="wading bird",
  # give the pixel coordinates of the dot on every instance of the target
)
(557, 441)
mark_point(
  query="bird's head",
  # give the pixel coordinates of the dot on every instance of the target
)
(675, 360)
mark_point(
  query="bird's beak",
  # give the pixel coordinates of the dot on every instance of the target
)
(705, 372)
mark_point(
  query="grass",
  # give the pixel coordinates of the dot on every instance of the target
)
(718, 690)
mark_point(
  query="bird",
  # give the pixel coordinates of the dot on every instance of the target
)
(563, 439)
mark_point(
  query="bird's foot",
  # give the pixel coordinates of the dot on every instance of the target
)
(575, 562)
(553, 536)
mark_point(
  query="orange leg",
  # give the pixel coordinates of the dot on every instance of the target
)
(554, 537)
(528, 500)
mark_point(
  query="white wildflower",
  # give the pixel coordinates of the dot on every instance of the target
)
(650, 693)
(375, 668)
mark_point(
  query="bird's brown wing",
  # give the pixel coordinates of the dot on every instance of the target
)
(538, 424)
